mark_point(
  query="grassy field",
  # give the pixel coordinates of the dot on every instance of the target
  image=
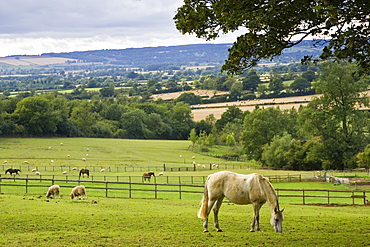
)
(102, 152)
(31, 220)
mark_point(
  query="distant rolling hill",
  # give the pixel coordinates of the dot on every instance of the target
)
(195, 54)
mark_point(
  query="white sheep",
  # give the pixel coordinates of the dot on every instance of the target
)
(33, 170)
(38, 173)
(26, 162)
(68, 155)
(65, 172)
(53, 191)
(78, 191)
(5, 161)
(203, 166)
(61, 144)
(83, 159)
(102, 170)
(74, 168)
(160, 174)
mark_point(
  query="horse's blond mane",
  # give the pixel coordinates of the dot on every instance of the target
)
(271, 196)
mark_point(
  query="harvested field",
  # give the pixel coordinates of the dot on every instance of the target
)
(168, 96)
(203, 110)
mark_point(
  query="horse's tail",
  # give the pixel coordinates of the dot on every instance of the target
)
(202, 213)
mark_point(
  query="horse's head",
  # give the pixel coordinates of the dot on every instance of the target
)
(277, 220)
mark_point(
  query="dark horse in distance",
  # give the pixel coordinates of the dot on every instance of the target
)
(11, 171)
(84, 171)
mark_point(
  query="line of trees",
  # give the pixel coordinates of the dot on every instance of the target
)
(330, 133)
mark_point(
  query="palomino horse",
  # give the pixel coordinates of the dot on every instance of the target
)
(11, 171)
(240, 189)
(84, 171)
(147, 176)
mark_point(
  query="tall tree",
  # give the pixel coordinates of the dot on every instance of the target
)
(335, 117)
(260, 127)
(37, 116)
(273, 25)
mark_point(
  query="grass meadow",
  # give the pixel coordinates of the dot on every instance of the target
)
(28, 219)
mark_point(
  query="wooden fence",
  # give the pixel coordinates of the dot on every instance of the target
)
(155, 179)
(152, 190)
(325, 196)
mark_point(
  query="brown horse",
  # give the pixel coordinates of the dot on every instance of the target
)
(147, 176)
(84, 171)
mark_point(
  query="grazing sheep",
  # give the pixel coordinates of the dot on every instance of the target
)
(61, 144)
(160, 174)
(87, 149)
(52, 161)
(65, 172)
(78, 191)
(74, 168)
(34, 170)
(26, 162)
(5, 161)
(83, 159)
(53, 192)
(102, 170)
(203, 166)
(367, 202)
(68, 155)
(38, 173)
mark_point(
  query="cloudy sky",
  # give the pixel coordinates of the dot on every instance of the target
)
(40, 26)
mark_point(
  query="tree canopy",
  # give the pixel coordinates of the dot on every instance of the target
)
(340, 27)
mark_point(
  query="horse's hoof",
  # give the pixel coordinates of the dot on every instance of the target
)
(219, 230)
(206, 230)
(251, 230)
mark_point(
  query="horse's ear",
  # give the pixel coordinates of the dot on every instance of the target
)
(282, 210)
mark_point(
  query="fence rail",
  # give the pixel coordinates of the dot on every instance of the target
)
(152, 190)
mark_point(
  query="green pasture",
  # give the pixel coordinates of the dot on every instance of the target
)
(102, 152)
(32, 221)
(137, 219)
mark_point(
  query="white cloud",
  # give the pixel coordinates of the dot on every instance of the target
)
(41, 26)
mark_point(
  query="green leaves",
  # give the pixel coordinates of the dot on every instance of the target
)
(273, 25)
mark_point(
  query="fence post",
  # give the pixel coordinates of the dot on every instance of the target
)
(129, 179)
(304, 201)
(106, 188)
(180, 187)
(328, 197)
(1, 183)
(27, 186)
(364, 193)
(155, 190)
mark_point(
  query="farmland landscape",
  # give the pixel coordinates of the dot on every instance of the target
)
(29, 219)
